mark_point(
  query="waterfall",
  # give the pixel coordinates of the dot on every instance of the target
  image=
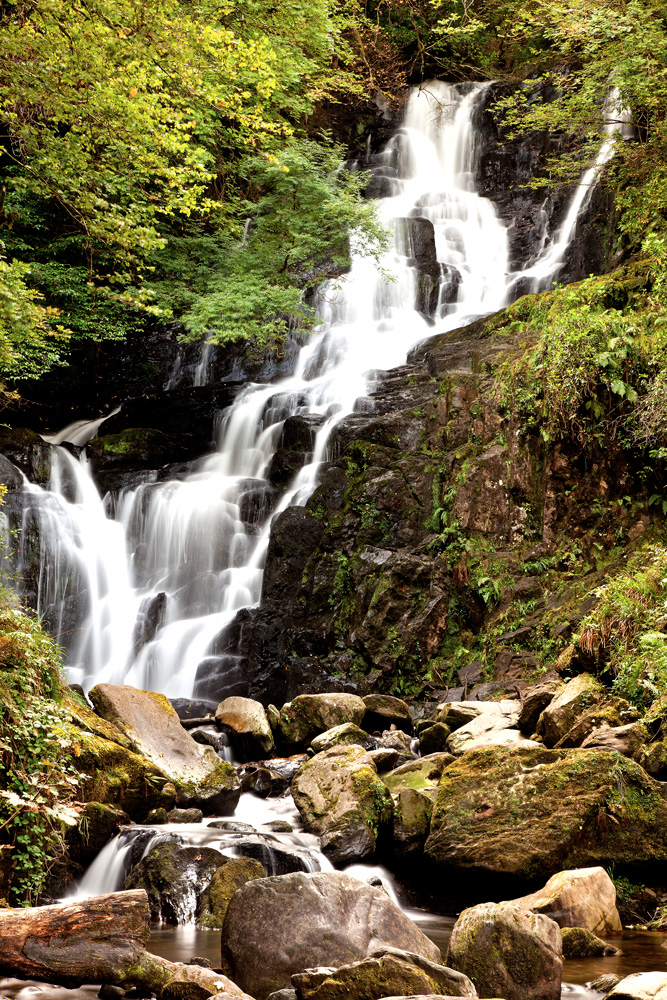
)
(180, 558)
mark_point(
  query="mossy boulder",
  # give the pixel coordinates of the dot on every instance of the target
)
(654, 759)
(308, 715)
(422, 774)
(216, 795)
(229, 877)
(133, 448)
(387, 973)
(655, 719)
(346, 734)
(508, 952)
(433, 739)
(531, 812)
(174, 878)
(580, 694)
(627, 740)
(341, 798)
(581, 943)
(383, 711)
(584, 897)
(414, 787)
(612, 713)
(247, 724)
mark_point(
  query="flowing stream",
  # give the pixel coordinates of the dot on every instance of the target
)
(188, 553)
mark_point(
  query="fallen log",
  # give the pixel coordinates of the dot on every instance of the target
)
(99, 940)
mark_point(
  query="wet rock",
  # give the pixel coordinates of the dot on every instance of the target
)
(396, 739)
(433, 739)
(308, 715)
(413, 789)
(218, 741)
(641, 986)
(341, 799)
(585, 897)
(97, 825)
(578, 695)
(192, 708)
(28, 451)
(581, 943)
(173, 877)
(246, 722)
(275, 857)
(346, 734)
(263, 782)
(388, 972)
(150, 617)
(508, 952)
(533, 812)
(226, 879)
(382, 711)
(282, 995)
(277, 927)
(157, 817)
(534, 701)
(185, 816)
(287, 767)
(152, 727)
(232, 826)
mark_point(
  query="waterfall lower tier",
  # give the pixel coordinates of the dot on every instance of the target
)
(139, 585)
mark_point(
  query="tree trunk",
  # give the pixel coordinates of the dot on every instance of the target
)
(98, 940)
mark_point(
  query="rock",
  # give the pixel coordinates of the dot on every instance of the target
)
(585, 897)
(308, 715)
(489, 728)
(458, 714)
(412, 822)
(533, 812)
(581, 943)
(153, 729)
(626, 740)
(279, 826)
(263, 782)
(185, 816)
(396, 739)
(346, 734)
(535, 699)
(282, 995)
(97, 825)
(246, 722)
(277, 927)
(229, 877)
(218, 741)
(194, 982)
(287, 767)
(422, 774)
(604, 983)
(382, 711)
(385, 759)
(508, 952)
(434, 738)
(341, 798)
(387, 972)
(613, 712)
(579, 694)
(192, 708)
(157, 817)
(641, 986)
(171, 876)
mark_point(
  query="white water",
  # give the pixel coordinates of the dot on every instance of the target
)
(193, 539)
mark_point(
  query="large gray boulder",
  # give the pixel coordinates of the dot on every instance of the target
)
(247, 724)
(276, 927)
(308, 715)
(341, 799)
(153, 730)
(584, 897)
(640, 986)
(385, 973)
(508, 952)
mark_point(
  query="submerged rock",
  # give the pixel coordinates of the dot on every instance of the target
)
(585, 897)
(532, 812)
(508, 952)
(341, 798)
(387, 972)
(276, 927)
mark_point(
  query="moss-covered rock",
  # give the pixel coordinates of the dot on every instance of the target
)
(97, 825)
(229, 877)
(508, 952)
(174, 878)
(388, 973)
(346, 735)
(580, 694)
(310, 714)
(581, 943)
(611, 713)
(341, 798)
(433, 739)
(532, 812)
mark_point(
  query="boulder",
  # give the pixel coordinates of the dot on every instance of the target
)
(185, 816)
(640, 986)
(276, 927)
(460, 713)
(247, 723)
(153, 729)
(535, 699)
(577, 696)
(308, 715)
(382, 711)
(346, 734)
(422, 774)
(533, 812)
(581, 943)
(173, 876)
(585, 897)
(387, 972)
(434, 738)
(627, 740)
(494, 728)
(508, 952)
(193, 982)
(414, 787)
(263, 781)
(386, 759)
(229, 877)
(605, 982)
(341, 799)
(613, 712)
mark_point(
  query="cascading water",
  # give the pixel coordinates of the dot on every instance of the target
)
(180, 558)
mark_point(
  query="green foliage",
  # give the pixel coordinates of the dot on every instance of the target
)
(626, 631)
(36, 780)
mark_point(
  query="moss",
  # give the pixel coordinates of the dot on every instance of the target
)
(225, 882)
